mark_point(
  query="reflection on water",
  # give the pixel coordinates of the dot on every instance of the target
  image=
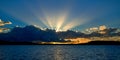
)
(59, 52)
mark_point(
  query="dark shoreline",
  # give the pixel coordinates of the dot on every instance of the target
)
(102, 43)
(89, 43)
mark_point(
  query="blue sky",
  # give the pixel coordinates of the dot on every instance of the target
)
(93, 12)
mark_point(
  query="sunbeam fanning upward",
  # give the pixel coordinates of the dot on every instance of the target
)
(63, 15)
(61, 21)
(54, 21)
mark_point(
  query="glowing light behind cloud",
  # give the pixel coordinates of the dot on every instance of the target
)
(37, 15)
(55, 21)
(59, 21)
(40, 13)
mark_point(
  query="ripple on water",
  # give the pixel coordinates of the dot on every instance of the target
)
(59, 52)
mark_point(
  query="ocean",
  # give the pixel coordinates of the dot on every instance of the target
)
(59, 52)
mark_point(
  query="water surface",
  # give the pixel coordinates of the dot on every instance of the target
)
(59, 52)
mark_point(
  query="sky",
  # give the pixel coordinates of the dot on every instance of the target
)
(61, 14)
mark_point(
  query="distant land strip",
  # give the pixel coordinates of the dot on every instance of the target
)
(62, 43)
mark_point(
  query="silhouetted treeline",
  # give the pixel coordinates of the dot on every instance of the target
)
(16, 43)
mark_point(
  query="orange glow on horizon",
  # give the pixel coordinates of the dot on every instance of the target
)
(79, 40)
